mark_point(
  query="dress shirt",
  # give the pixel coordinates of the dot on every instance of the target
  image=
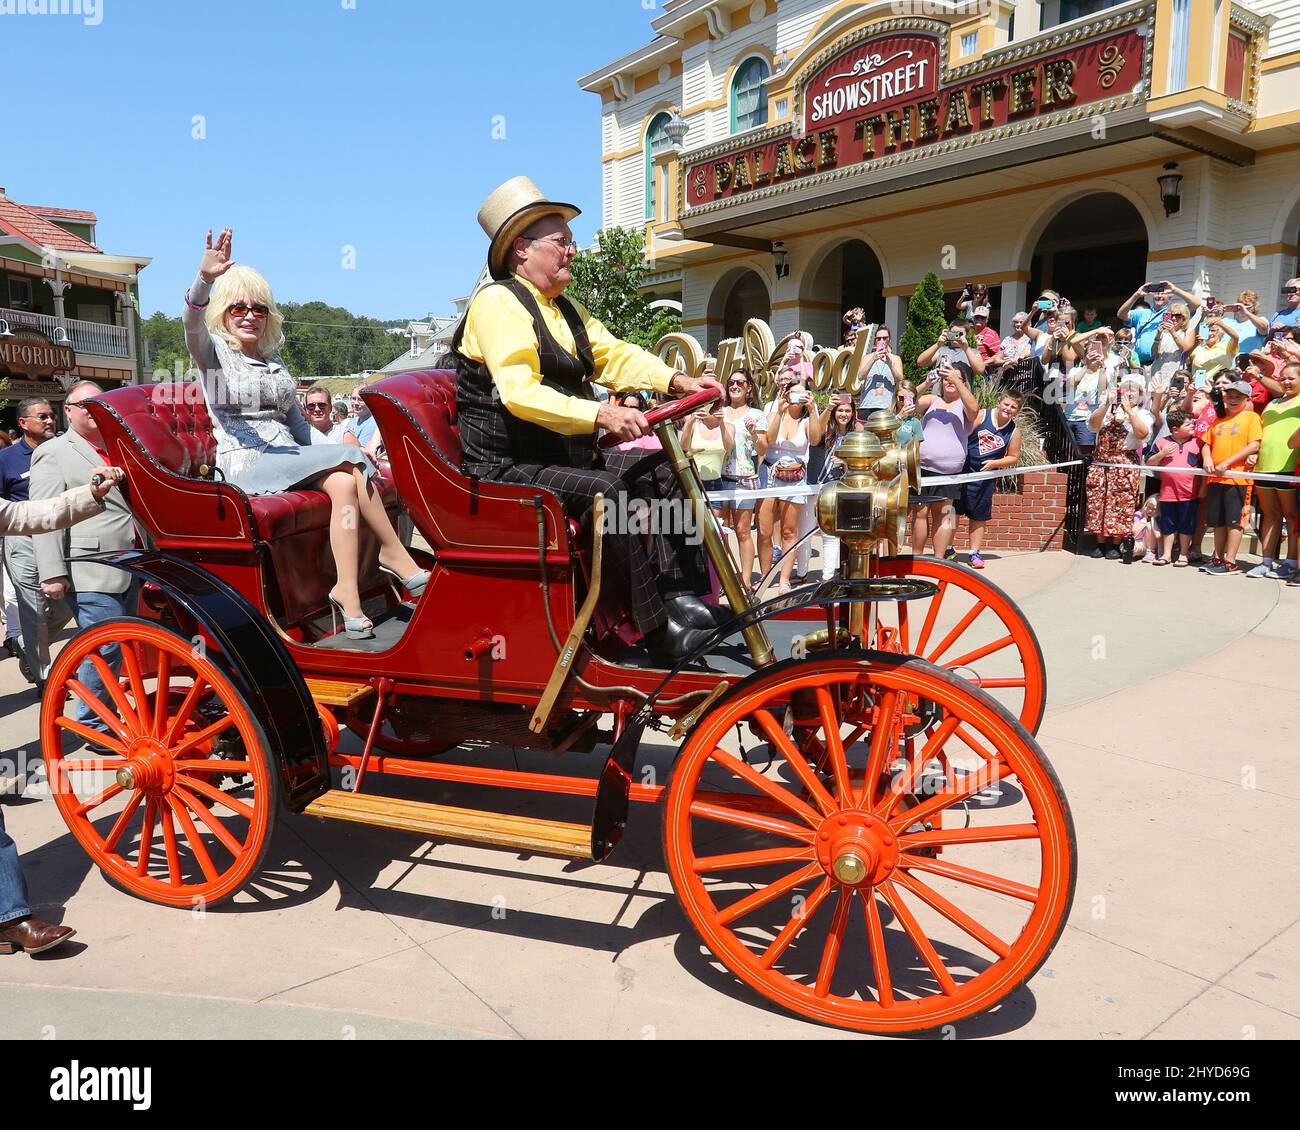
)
(499, 333)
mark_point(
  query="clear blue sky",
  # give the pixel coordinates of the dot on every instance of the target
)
(325, 126)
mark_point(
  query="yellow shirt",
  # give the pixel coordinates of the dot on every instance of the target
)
(500, 334)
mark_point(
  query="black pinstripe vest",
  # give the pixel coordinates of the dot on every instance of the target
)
(491, 438)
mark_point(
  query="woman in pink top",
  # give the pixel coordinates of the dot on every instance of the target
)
(949, 417)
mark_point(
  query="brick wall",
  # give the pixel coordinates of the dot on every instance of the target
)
(1033, 520)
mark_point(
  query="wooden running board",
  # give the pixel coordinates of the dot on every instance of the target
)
(337, 692)
(468, 825)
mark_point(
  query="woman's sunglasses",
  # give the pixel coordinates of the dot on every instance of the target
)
(240, 309)
(737, 384)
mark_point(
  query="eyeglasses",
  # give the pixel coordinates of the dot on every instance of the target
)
(42, 415)
(318, 407)
(240, 309)
(1291, 289)
(737, 384)
(564, 243)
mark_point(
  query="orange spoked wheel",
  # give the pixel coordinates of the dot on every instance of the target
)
(175, 802)
(859, 876)
(970, 627)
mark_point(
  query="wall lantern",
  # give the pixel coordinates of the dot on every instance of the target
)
(780, 260)
(1169, 180)
(675, 128)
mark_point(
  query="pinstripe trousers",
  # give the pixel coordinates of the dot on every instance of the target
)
(638, 581)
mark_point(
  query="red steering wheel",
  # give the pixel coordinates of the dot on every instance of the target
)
(673, 410)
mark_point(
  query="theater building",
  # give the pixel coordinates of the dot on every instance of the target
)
(791, 160)
(68, 309)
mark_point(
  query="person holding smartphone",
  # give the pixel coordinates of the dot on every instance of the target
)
(1123, 424)
(1288, 314)
(1243, 318)
(948, 418)
(740, 469)
(1217, 349)
(792, 428)
(1148, 319)
(879, 374)
(952, 348)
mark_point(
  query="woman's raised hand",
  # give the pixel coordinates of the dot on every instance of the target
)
(217, 258)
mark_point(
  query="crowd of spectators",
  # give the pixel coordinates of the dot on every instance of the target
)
(1196, 391)
(1203, 393)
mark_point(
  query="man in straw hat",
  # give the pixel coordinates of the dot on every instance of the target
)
(525, 357)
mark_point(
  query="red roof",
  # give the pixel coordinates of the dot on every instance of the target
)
(30, 224)
(63, 213)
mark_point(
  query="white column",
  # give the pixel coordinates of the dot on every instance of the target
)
(1014, 297)
(1029, 18)
(58, 286)
(126, 306)
(894, 315)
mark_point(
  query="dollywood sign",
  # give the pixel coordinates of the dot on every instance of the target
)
(834, 370)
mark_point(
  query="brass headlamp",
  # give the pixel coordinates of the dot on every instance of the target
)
(861, 510)
(897, 459)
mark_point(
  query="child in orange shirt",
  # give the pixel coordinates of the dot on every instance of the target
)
(1229, 443)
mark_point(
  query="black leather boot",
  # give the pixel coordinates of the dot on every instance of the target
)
(673, 642)
(690, 610)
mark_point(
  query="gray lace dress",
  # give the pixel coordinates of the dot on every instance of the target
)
(264, 443)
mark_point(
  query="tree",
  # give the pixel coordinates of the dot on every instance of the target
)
(164, 340)
(926, 320)
(607, 282)
(319, 341)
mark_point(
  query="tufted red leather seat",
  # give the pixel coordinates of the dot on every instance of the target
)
(171, 422)
(162, 434)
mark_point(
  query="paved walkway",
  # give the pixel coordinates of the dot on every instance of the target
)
(1170, 722)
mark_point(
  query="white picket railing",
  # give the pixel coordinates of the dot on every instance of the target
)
(84, 337)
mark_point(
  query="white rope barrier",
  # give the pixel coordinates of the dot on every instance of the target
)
(806, 491)
(1200, 472)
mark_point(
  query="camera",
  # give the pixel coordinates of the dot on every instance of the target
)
(955, 338)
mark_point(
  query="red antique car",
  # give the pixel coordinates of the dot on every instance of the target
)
(861, 831)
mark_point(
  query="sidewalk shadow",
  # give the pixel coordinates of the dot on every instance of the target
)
(361, 856)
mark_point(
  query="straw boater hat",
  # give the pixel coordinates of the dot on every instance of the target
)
(509, 212)
(1266, 363)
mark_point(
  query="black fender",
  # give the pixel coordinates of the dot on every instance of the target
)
(612, 796)
(253, 657)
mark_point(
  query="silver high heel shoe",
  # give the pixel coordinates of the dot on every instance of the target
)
(414, 584)
(354, 627)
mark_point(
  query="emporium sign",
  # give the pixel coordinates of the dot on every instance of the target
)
(890, 95)
(29, 353)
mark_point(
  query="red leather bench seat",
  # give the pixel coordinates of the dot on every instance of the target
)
(171, 423)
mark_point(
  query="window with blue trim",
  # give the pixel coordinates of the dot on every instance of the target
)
(749, 95)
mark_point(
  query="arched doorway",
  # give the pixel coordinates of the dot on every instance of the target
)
(736, 299)
(850, 275)
(1094, 252)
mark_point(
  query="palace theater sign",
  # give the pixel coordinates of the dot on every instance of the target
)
(889, 98)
